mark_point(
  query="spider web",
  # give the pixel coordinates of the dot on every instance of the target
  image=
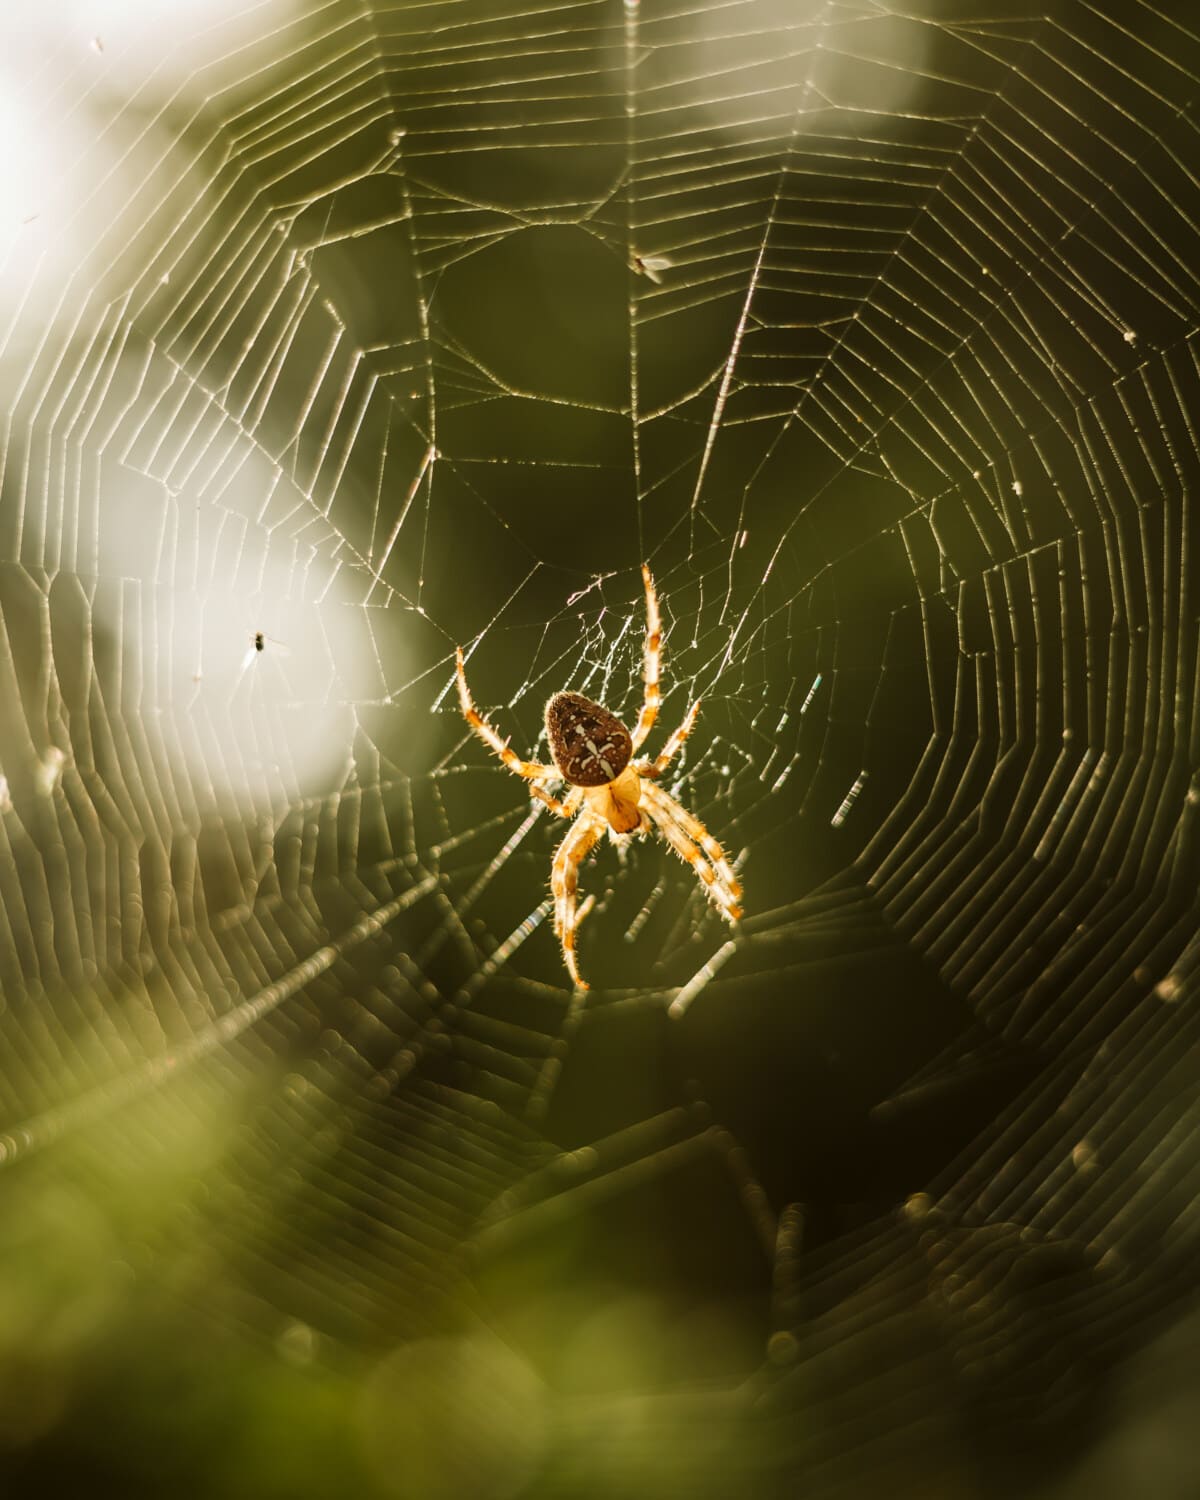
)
(371, 330)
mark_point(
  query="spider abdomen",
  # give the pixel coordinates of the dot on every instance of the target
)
(589, 746)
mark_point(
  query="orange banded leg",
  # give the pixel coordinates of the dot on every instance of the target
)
(651, 663)
(531, 770)
(683, 846)
(693, 842)
(696, 830)
(564, 878)
(671, 748)
(555, 806)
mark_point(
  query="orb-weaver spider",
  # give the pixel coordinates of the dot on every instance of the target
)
(610, 791)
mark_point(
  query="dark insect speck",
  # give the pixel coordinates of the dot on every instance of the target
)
(259, 641)
(589, 745)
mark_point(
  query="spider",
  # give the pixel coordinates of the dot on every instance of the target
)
(593, 753)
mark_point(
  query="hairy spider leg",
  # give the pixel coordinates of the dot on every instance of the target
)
(657, 766)
(651, 663)
(688, 837)
(533, 771)
(564, 877)
(696, 830)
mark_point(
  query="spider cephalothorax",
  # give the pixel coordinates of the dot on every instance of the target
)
(593, 753)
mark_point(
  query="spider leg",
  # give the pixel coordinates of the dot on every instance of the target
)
(531, 770)
(651, 663)
(692, 841)
(564, 874)
(563, 809)
(567, 808)
(670, 749)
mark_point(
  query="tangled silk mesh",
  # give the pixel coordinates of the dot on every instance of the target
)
(375, 329)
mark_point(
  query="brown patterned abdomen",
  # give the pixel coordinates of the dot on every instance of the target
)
(589, 745)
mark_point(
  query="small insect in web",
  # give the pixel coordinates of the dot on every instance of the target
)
(651, 266)
(260, 642)
(610, 792)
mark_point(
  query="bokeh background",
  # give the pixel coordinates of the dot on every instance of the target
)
(372, 329)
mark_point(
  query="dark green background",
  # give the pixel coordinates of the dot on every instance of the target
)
(903, 1204)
